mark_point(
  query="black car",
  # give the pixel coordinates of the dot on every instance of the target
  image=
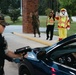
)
(58, 59)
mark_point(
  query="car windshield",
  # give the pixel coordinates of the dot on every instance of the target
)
(66, 54)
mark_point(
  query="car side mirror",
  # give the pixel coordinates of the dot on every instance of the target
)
(41, 55)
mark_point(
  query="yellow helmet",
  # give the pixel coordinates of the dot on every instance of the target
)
(63, 9)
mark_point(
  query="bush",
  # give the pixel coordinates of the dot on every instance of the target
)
(47, 11)
(14, 14)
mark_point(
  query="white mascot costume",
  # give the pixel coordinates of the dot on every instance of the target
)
(63, 23)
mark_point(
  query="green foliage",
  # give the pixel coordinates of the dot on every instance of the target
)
(55, 5)
(47, 11)
(14, 14)
(45, 4)
(70, 5)
(42, 6)
(18, 22)
(5, 4)
(42, 21)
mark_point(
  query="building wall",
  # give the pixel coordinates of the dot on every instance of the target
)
(28, 6)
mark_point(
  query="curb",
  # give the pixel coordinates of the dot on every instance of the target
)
(33, 39)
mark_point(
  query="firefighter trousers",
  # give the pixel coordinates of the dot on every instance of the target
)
(62, 33)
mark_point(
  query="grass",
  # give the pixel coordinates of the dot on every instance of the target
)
(42, 21)
(43, 24)
(72, 28)
(18, 22)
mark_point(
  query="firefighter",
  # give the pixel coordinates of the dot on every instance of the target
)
(63, 23)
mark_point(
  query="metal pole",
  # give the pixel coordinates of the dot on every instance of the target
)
(21, 7)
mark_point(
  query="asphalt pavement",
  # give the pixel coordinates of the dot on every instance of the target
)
(16, 39)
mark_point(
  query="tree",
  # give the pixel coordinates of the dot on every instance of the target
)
(11, 8)
(14, 14)
(69, 4)
(42, 6)
(4, 5)
(48, 11)
(46, 4)
(14, 10)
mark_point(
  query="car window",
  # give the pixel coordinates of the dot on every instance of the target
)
(67, 59)
(66, 54)
(61, 51)
(68, 47)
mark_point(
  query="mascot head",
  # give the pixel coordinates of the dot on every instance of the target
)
(63, 12)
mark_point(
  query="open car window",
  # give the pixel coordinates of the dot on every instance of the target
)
(67, 59)
(69, 47)
(65, 54)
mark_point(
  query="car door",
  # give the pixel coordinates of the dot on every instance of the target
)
(61, 55)
(63, 69)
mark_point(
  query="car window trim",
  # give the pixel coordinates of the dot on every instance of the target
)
(64, 65)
